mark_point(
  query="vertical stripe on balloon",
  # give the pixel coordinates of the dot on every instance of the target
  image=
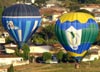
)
(20, 34)
(35, 25)
(27, 29)
(20, 31)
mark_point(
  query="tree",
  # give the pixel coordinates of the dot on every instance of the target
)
(97, 1)
(59, 56)
(17, 53)
(65, 57)
(90, 2)
(62, 0)
(11, 68)
(74, 7)
(81, 1)
(38, 39)
(47, 56)
(1, 10)
(49, 32)
(26, 51)
(46, 36)
(31, 59)
(9, 39)
(40, 3)
(6, 3)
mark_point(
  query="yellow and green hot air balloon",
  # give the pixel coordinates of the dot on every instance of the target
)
(76, 32)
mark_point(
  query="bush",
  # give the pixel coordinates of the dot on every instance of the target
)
(47, 56)
(11, 68)
(71, 60)
(31, 59)
(65, 57)
(37, 39)
(59, 56)
(26, 51)
(17, 53)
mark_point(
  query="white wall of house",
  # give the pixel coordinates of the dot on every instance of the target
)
(50, 5)
(2, 40)
(92, 57)
(11, 45)
(33, 49)
(87, 8)
(94, 10)
(55, 16)
(97, 18)
(39, 49)
(7, 61)
(94, 47)
(85, 59)
(95, 53)
(32, 1)
(45, 19)
(9, 50)
(99, 53)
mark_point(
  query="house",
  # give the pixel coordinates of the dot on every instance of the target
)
(9, 60)
(91, 7)
(2, 40)
(94, 54)
(95, 51)
(51, 14)
(34, 50)
(39, 50)
(10, 45)
(97, 16)
(94, 47)
(10, 48)
(5, 34)
(91, 57)
(51, 3)
(95, 9)
(6, 60)
(29, 2)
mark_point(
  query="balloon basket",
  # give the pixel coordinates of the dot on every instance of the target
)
(20, 51)
(77, 65)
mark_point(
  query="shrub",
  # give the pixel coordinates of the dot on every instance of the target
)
(26, 51)
(47, 56)
(59, 56)
(65, 57)
(11, 68)
(31, 59)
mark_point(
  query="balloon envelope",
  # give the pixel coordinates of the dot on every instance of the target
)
(21, 21)
(76, 31)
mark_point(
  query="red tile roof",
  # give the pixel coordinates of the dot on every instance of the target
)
(51, 10)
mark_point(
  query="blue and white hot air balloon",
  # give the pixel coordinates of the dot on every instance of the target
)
(21, 21)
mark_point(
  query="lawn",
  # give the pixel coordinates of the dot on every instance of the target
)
(62, 67)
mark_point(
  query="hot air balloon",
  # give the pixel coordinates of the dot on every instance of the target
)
(21, 21)
(76, 32)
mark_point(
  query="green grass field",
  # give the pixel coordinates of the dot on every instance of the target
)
(62, 67)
